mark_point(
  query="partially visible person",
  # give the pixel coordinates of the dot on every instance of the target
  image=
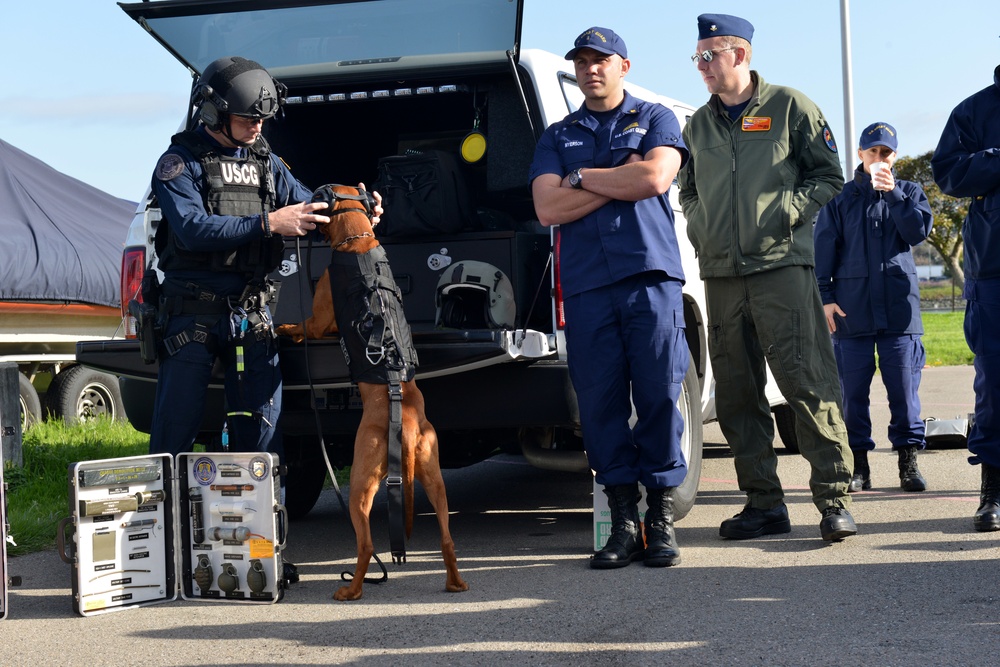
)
(966, 163)
(602, 174)
(763, 162)
(871, 297)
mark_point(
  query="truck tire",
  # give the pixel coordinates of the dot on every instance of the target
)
(784, 420)
(80, 394)
(29, 403)
(689, 405)
(305, 475)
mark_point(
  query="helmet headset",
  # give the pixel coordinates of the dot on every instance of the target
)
(235, 86)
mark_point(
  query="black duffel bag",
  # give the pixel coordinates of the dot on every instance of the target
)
(423, 194)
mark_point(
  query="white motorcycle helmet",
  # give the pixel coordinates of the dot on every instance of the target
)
(474, 295)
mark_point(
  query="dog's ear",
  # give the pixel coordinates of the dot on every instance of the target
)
(325, 194)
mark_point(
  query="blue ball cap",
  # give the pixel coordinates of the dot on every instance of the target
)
(720, 25)
(879, 134)
(599, 39)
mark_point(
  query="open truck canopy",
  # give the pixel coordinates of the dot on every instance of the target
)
(337, 40)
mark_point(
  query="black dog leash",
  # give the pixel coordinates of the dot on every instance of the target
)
(394, 480)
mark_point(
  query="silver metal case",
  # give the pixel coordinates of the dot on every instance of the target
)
(146, 529)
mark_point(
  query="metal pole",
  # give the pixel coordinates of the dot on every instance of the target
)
(848, 141)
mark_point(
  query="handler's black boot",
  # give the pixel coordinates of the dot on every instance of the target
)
(862, 479)
(661, 543)
(910, 478)
(988, 515)
(625, 543)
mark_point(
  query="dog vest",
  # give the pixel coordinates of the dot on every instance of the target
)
(233, 186)
(374, 334)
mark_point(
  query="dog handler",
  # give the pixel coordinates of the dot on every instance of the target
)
(602, 175)
(226, 202)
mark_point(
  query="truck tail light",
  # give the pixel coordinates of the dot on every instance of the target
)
(558, 295)
(133, 266)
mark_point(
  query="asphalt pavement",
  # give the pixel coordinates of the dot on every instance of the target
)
(916, 586)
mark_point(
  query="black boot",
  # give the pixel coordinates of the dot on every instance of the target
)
(988, 515)
(910, 478)
(661, 543)
(625, 543)
(862, 479)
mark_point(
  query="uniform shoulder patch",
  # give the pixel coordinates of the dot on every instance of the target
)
(169, 167)
(828, 138)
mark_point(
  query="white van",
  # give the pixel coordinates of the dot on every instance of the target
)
(369, 82)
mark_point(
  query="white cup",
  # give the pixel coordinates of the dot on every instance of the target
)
(875, 169)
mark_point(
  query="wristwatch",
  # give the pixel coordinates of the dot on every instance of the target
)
(576, 179)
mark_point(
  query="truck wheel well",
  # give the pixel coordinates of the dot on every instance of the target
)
(696, 338)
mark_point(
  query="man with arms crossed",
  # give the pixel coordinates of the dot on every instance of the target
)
(602, 174)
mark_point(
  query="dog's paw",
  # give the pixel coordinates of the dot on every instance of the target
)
(293, 331)
(456, 586)
(346, 593)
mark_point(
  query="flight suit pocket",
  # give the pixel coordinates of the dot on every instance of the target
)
(717, 353)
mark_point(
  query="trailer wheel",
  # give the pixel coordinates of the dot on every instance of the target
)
(29, 403)
(81, 394)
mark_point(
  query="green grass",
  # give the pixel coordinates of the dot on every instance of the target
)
(37, 497)
(944, 339)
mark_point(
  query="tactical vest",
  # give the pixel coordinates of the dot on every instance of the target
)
(374, 334)
(233, 186)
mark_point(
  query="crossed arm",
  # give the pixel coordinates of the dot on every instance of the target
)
(639, 177)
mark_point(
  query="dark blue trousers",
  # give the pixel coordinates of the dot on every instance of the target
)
(182, 385)
(982, 322)
(626, 341)
(901, 360)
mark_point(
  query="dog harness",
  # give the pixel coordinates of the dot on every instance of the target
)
(378, 348)
(374, 334)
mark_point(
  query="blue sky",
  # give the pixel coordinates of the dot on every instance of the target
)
(89, 93)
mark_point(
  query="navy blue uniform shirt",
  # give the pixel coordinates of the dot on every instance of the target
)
(966, 163)
(621, 238)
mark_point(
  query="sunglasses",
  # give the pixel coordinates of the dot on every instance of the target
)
(709, 55)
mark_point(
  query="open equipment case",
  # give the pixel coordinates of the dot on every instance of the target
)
(208, 526)
(4, 529)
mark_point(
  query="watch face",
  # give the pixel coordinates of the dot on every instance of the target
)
(574, 178)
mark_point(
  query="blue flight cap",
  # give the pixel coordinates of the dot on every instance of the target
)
(721, 25)
(599, 39)
(879, 134)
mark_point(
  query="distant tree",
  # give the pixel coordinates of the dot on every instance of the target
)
(949, 213)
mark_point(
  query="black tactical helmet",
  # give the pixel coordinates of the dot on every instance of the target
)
(236, 86)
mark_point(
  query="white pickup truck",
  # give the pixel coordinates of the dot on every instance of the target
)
(378, 78)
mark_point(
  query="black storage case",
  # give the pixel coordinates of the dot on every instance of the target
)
(423, 193)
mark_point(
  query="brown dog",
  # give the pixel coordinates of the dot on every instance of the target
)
(350, 230)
